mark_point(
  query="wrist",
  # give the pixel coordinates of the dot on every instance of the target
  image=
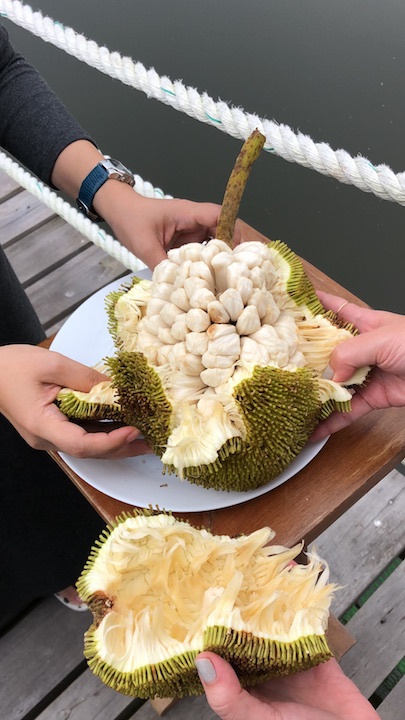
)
(73, 164)
(112, 200)
(105, 170)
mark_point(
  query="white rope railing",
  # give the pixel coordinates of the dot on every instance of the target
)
(280, 139)
(67, 212)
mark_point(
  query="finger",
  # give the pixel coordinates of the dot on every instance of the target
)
(64, 372)
(150, 251)
(224, 693)
(363, 318)
(339, 420)
(204, 214)
(61, 434)
(370, 348)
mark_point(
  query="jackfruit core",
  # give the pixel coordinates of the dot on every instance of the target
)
(161, 591)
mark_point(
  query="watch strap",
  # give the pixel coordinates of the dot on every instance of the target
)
(93, 182)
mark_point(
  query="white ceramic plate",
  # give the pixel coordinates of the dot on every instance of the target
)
(139, 481)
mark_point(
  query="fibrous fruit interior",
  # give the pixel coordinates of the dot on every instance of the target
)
(161, 591)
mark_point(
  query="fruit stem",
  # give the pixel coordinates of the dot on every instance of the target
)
(238, 178)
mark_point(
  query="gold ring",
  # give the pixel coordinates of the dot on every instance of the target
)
(346, 302)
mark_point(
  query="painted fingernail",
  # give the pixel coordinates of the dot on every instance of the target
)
(206, 670)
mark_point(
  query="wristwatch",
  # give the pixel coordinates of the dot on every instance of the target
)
(107, 168)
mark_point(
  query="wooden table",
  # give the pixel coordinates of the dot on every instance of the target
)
(351, 463)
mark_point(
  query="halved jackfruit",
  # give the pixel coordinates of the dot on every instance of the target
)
(161, 591)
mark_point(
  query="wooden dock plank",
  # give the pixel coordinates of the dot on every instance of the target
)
(68, 286)
(43, 250)
(184, 709)
(8, 187)
(376, 536)
(32, 665)
(390, 708)
(87, 698)
(22, 213)
(380, 632)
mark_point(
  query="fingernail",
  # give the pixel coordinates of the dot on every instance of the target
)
(206, 670)
(132, 436)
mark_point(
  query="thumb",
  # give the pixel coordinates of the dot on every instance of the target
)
(355, 353)
(224, 693)
(65, 372)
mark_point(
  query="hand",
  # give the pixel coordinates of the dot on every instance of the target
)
(30, 379)
(322, 693)
(381, 343)
(149, 227)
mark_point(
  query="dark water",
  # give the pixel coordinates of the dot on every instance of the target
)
(333, 70)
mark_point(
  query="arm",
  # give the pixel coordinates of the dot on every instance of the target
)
(35, 126)
(146, 226)
(39, 131)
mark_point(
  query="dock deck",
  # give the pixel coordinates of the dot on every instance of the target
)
(43, 673)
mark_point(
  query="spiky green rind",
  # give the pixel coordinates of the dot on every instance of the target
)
(257, 658)
(254, 659)
(334, 406)
(143, 399)
(274, 436)
(299, 286)
(301, 289)
(111, 301)
(176, 677)
(76, 408)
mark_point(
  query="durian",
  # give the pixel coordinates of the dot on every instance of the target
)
(161, 591)
(222, 358)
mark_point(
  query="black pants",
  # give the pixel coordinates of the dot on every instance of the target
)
(47, 527)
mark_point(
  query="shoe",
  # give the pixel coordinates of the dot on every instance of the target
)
(82, 607)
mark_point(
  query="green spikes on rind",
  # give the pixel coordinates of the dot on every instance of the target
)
(299, 286)
(176, 677)
(274, 438)
(76, 408)
(146, 404)
(257, 658)
(253, 659)
(111, 301)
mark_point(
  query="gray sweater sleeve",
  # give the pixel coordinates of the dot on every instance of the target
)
(34, 125)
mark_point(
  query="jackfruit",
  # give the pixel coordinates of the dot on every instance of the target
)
(101, 403)
(162, 591)
(222, 359)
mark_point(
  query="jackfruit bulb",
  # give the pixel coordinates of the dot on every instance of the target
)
(162, 591)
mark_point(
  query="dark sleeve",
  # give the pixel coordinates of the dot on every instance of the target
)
(34, 125)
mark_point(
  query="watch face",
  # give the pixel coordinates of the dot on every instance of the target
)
(118, 171)
(117, 165)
